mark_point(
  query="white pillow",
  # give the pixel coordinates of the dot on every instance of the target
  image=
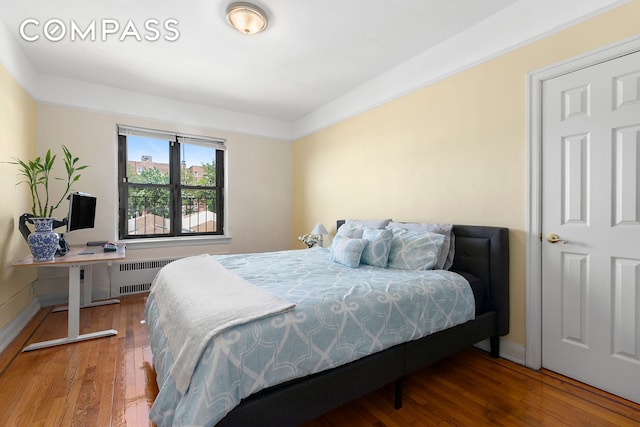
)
(411, 250)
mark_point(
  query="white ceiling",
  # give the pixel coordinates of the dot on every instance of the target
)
(312, 53)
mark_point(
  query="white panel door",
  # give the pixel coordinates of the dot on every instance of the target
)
(591, 201)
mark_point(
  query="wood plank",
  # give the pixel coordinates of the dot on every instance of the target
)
(111, 381)
(7, 356)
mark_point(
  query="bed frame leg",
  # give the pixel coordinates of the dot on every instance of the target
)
(494, 343)
(398, 394)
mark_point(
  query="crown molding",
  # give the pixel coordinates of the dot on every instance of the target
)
(525, 21)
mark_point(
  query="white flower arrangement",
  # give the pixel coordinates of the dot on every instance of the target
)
(309, 239)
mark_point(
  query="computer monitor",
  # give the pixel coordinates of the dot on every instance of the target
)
(82, 211)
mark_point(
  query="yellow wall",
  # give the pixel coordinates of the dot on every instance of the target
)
(18, 127)
(454, 151)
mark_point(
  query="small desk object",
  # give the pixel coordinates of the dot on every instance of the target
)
(77, 257)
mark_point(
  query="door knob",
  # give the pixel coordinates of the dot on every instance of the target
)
(554, 238)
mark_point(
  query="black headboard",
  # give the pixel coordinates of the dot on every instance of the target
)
(484, 252)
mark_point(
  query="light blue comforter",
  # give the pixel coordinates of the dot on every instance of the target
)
(341, 314)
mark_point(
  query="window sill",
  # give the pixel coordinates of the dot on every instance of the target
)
(163, 242)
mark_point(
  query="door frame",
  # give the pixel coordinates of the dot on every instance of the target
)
(533, 242)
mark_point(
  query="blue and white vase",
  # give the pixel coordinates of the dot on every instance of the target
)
(43, 242)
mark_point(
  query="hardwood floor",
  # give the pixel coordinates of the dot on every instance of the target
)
(100, 382)
(111, 381)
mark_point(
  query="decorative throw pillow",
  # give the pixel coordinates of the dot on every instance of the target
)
(347, 251)
(347, 230)
(445, 257)
(376, 252)
(351, 231)
(411, 250)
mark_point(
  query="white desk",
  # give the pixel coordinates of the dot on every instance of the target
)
(74, 260)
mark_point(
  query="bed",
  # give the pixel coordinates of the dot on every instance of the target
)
(288, 386)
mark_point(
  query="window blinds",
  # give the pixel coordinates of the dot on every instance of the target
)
(217, 143)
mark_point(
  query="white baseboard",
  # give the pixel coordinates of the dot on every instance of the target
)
(13, 328)
(508, 350)
(47, 300)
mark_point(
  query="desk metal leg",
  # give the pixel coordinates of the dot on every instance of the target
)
(73, 327)
(88, 291)
(74, 301)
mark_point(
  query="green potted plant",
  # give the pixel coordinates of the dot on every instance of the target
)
(43, 242)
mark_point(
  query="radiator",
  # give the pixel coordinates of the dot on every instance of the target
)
(135, 277)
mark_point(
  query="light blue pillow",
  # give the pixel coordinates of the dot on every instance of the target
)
(375, 223)
(351, 231)
(411, 250)
(376, 252)
(445, 257)
(347, 251)
(348, 230)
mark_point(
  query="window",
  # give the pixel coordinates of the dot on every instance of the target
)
(169, 184)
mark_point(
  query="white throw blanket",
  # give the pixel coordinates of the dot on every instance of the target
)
(197, 298)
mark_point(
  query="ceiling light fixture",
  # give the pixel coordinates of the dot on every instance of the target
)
(246, 17)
